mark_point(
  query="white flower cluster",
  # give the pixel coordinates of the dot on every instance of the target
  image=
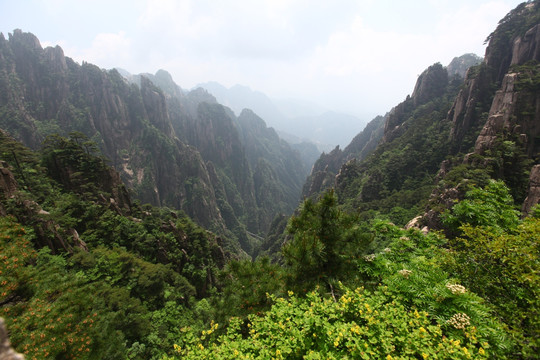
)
(405, 273)
(370, 257)
(460, 321)
(456, 289)
(387, 250)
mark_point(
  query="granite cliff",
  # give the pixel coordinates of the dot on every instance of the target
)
(171, 148)
(451, 132)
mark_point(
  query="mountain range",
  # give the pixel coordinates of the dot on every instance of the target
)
(139, 220)
(295, 120)
(232, 174)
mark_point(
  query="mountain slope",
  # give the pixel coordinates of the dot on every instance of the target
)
(172, 149)
(306, 121)
(442, 118)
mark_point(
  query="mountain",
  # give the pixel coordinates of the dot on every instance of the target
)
(94, 270)
(450, 133)
(241, 97)
(172, 148)
(303, 120)
(88, 272)
(459, 65)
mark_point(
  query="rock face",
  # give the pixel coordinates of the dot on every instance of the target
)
(6, 352)
(526, 47)
(533, 193)
(508, 131)
(327, 167)
(430, 84)
(459, 65)
(161, 140)
(471, 102)
(499, 120)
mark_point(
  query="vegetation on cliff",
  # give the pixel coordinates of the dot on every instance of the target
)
(88, 272)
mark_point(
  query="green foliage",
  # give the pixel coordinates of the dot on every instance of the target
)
(74, 162)
(322, 237)
(246, 286)
(401, 170)
(503, 268)
(361, 325)
(411, 266)
(134, 275)
(53, 314)
(491, 207)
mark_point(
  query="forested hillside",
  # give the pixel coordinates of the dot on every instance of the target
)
(419, 240)
(176, 149)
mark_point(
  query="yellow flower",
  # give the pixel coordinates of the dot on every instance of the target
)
(481, 351)
(388, 357)
(424, 355)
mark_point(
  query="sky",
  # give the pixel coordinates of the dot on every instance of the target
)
(356, 56)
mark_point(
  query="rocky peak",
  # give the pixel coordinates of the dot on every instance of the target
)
(196, 97)
(460, 65)
(500, 52)
(55, 57)
(430, 84)
(156, 107)
(511, 64)
(164, 81)
(248, 118)
(25, 39)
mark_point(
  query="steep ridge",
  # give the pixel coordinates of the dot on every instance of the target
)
(175, 149)
(327, 166)
(276, 186)
(130, 124)
(433, 85)
(492, 115)
(259, 174)
(507, 144)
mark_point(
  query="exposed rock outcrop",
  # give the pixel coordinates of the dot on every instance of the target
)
(6, 351)
(500, 115)
(430, 84)
(460, 65)
(8, 184)
(533, 194)
(511, 66)
(159, 138)
(526, 47)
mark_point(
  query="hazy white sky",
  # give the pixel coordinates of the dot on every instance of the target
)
(358, 56)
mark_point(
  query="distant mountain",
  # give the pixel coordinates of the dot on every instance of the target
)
(459, 65)
(240, 97)
(294, 118)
